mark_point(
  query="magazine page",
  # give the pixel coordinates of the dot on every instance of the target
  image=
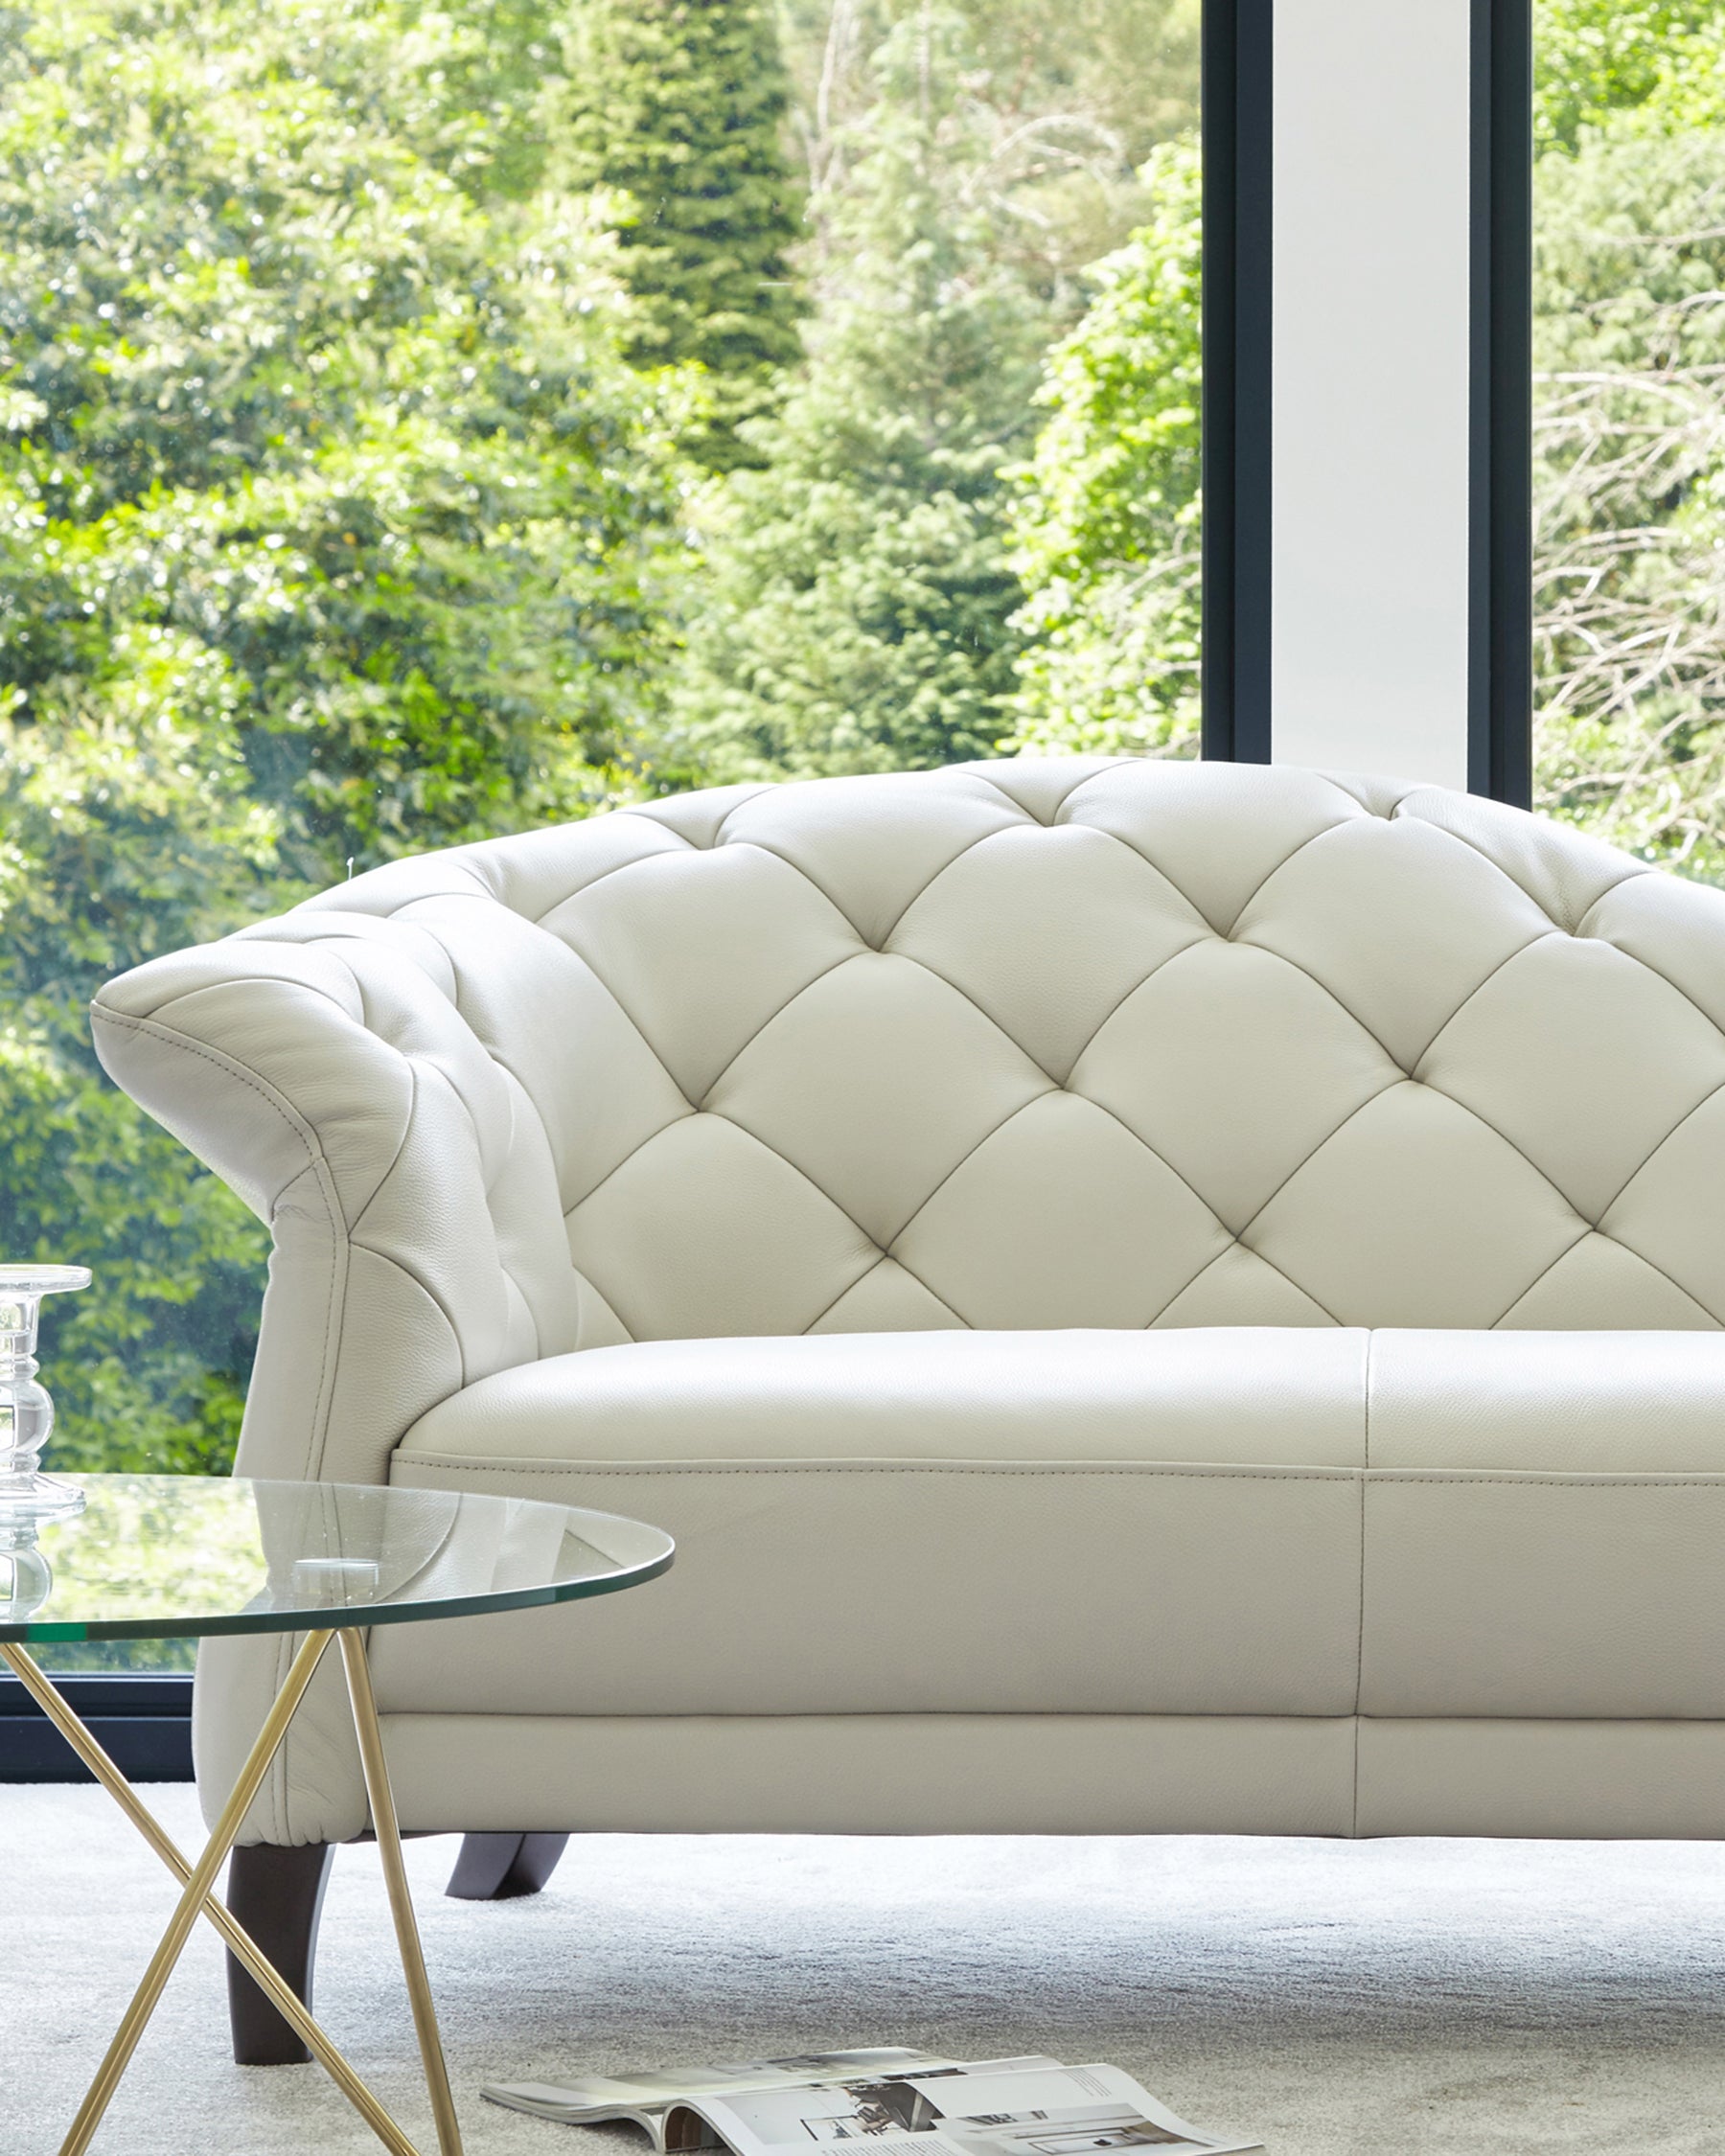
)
(1035, 2108)
(599, 2096)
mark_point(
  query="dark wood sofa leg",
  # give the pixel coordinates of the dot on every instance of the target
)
(499, 1866)
(277, 1895)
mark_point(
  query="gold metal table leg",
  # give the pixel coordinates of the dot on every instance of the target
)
(401, 1902)
(256, 1965)
(199, 1898)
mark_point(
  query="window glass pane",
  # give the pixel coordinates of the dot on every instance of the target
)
(418, 425)
(1629, 422)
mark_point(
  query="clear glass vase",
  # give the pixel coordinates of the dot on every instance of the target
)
(25, 1410)
(26, 1577)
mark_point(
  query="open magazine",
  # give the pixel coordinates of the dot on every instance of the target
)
(900, 2102)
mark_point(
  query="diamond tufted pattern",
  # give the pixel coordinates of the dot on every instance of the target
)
(1016, 1047)
(1014, 1044)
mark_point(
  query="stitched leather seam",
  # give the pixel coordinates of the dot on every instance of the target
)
(1544, 1273)
(336, 1294)
(1061, 1470)
(640, 1147)
(1036, 824)
(494, 1050)
(843, 1292)
(1360, 1649)
(1050, 821)
(1658, 971)
(581, 959)
(1339, 780)
(844, 960)
(1264, 882)
(810, 877)
(1535, 1478)
(1635, 869)
(605, 875)
(584, 1283)
(964, 996)
(1653, 1266)
(482, 890)
(1341, 823)
(1054, 1086)
(1055, 1470)
(485, 1194)
(911, 1273)
(295, 1122)
(773, 1017)
(1647, 1162)
(1485, 1121)
(1334, 1318)
(718, 1115)
(922, 889)
(1426, 1086)
(1221, 1258)
(891, 1249)
(396, 1265)
(1389, 1087)
(1203, 935)
(719, 837)
(411, 1065)
(1206, 934)
(512, 1154)
(1544, 935)
(773, 1154)
(1324, 989)
(306, 1134)
(1658, 1145)
(1196, 1194)
(881, 1260)
(1618, 1244)
(116, 1017)
(285, 1646)
(1589, 1226)
(341, 939)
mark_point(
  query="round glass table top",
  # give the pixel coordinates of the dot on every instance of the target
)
(175, 1556)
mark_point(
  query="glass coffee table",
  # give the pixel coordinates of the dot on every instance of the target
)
(166, 1558)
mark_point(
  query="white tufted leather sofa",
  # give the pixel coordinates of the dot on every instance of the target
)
(1151, 1297)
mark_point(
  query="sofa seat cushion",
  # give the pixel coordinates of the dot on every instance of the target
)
(1067, 1522)
(1233, 1521)
(1263, 1396)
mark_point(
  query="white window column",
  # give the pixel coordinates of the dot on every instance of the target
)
(1371, 361)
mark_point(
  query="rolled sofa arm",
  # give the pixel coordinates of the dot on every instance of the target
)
(354, 1070)
(322, 1065)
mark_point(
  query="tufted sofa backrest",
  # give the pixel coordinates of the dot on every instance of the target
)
(1071, 1043)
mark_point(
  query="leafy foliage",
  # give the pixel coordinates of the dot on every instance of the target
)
(857, 603)
(1600, 57)
(860, 609)
(1630, 435)
(680, 104)
(1107, 517)
(332, 524)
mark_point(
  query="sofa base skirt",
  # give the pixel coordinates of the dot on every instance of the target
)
(1057, 1773)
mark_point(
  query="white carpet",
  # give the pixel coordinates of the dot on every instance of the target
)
(1373, 1999)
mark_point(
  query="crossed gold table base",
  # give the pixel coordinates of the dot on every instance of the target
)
(198, 1897)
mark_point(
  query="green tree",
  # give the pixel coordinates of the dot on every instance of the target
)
(1629, 339)
(333, 523)
(857, 605)
(1047, 130)
(1106, 519)
(1595, 57)
(129, 827)
(680, 104)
